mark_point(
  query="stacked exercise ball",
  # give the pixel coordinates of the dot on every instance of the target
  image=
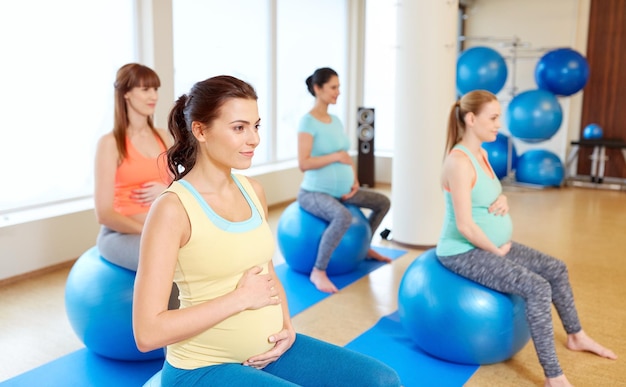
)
(593, 132)
(458, 320)
(299, 234)
(534, 116)
(498, 155)
(480, 68)
(540, 167)
(562, 71)
(98, 301)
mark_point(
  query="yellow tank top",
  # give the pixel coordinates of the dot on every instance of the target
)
(210, 265)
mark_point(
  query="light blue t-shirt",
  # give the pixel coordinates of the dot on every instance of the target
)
(486, 190)
(335, 179)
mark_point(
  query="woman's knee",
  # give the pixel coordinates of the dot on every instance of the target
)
(560, 269)
(385, 203)
(538, 292)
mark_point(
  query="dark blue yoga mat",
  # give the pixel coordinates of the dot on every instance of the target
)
(388, 342)
(301, 293)
(83, 368)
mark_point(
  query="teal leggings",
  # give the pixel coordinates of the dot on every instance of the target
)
(309, 362)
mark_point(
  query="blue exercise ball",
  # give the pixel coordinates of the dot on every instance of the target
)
(498, 154)
(299, 234)
(98, 302)
(458, 320)
(593, 132)
(540, 167)
(480, 68)
(534, 116)
(562, 71)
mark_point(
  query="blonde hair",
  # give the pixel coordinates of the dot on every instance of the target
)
(472, 102)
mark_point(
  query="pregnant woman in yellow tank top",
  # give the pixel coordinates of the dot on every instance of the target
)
(208, 232)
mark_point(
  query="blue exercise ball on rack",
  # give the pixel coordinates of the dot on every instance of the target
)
(540, 167)
(498, 155)
(562, 71)
(480, 68)
(534, 116)
(593, 132)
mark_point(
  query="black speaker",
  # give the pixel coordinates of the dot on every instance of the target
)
(365, 133)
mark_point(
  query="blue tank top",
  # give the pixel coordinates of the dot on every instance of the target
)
(486, 190)
(335, 179)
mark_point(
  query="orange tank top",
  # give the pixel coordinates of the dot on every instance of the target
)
(135, 170)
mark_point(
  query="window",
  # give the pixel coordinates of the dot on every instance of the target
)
(311, 34)
(273, 45)
(216, 37)
(56, 99)
(380, 68)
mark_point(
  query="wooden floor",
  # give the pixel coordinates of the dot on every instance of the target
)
(584, 227)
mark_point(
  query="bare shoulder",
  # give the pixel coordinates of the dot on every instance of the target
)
(107, 140)
(168, 207)
(107, 148)
(456, 160)
(457, 167)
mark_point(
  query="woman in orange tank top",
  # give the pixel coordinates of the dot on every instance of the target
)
(130, 166)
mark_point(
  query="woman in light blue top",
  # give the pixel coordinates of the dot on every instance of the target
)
(330, 178)
(476, 238)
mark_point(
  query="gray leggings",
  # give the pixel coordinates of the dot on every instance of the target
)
(118, 248)
(123, 250)
(536, 277)
(334, 211)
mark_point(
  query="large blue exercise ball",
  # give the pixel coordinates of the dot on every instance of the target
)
(98, 302)
(480, 68)
(299, 234)
(498, 154)
(593, 132)
(562, 71)
(540, 167)
(534, 116)
(458, 320)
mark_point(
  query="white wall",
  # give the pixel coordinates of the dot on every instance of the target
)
(540, 25)
(39, 244)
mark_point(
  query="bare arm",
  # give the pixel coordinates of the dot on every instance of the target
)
(166, 229)
(307, 162)
(458, 176)
(105, 168)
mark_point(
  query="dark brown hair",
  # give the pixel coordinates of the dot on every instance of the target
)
(201, 104)
(319, 78)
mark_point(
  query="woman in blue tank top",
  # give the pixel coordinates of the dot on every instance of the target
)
(476, 238)
(329, 176)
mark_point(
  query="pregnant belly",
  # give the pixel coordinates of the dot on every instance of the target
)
(499, 229)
